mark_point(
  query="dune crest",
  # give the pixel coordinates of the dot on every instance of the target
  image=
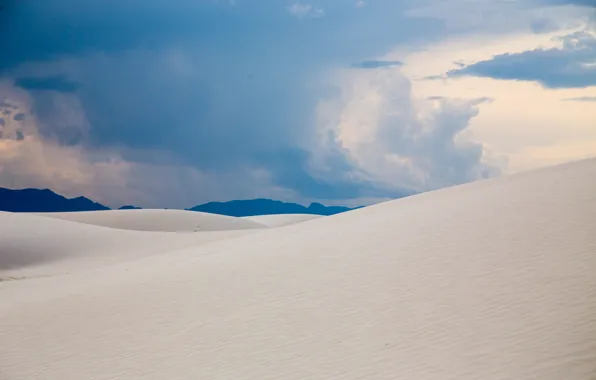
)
(34, 246)
(493, 280)
(282, 220)
(157, 220)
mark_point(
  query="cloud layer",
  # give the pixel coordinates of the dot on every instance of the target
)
(223, 100)
(573, 65)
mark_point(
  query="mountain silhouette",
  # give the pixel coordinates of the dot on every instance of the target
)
(129, 207)
(264, 206)
(36, 200)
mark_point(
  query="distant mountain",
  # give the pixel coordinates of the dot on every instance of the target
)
(266, 207)
(35, 200)
(128, 207)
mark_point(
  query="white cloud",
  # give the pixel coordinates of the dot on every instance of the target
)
(303, 10)
(399, 141)
(527, 124)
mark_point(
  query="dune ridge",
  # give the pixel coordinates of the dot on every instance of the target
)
(157, 220)
(73, 241)
(492, 280)
(33, 246)
(282, 220)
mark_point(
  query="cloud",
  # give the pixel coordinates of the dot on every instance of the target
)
(400, 142)
(27, 159)
(54, 83)
(582, 3)
(373, 64)
(573, 65)
(337, 182)
(581, 99)
(6, 105)
(188, 101)
(302, 10)
(544, 25)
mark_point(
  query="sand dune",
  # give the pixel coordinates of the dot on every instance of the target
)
(157, 220)
(32, 246)
(282, 220)
(494, 280)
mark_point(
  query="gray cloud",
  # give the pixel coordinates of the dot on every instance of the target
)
(544, 25)
(583, 3)
(571, 66)
(372, 64)
(581, 99)
(71, 27)
(53, 83)
(202, 90)
(6, 105)
(330, 186)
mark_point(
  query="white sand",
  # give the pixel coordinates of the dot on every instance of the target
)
(157, 220)
(493, 281)
(282, 220)
(33, 246)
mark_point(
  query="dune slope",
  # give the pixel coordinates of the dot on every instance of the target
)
(157, 220)
(493, 280)
(33, 246)
(281, 220)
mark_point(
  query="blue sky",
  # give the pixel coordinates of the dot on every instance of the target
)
(174, 103)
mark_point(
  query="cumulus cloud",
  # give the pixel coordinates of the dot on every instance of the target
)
(573, 65)
(401, 142)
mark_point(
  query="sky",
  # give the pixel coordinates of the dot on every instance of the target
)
(172, 103)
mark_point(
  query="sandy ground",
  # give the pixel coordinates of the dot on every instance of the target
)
(492, 280)
(34, 246)
(67, 242)
(282, 220)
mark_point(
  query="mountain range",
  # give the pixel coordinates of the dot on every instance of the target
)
(264, 206)
(36, 200)
(45, 200)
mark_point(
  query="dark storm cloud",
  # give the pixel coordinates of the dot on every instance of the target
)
(54, 83)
